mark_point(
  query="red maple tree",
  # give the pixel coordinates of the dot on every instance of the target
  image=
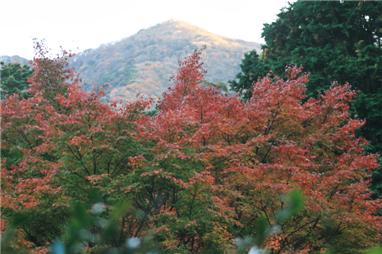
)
(204, 167)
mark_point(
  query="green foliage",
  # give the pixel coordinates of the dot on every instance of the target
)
(294, 201)
(252, 68)
(9, 242)
(97, 225)
(13, 79)
(377, 250)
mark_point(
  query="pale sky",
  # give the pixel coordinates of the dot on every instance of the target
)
(77, 25)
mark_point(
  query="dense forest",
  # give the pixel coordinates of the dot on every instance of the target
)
(289, 164)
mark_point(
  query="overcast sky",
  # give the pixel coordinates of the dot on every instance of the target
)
(81, 24)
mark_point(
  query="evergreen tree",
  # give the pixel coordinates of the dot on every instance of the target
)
(252, 68)
(13, 79)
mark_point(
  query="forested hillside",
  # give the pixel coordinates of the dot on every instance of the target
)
(144, 63)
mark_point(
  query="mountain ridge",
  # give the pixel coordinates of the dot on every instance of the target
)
(143, 63)
(14, 59)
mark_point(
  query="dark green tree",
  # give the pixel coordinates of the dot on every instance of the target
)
(333, 41)
(13, 79)
(252, 68)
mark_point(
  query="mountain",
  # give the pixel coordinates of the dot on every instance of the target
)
(14, 59)
(143, 64)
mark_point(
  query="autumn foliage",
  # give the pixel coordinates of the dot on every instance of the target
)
(197, 173)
